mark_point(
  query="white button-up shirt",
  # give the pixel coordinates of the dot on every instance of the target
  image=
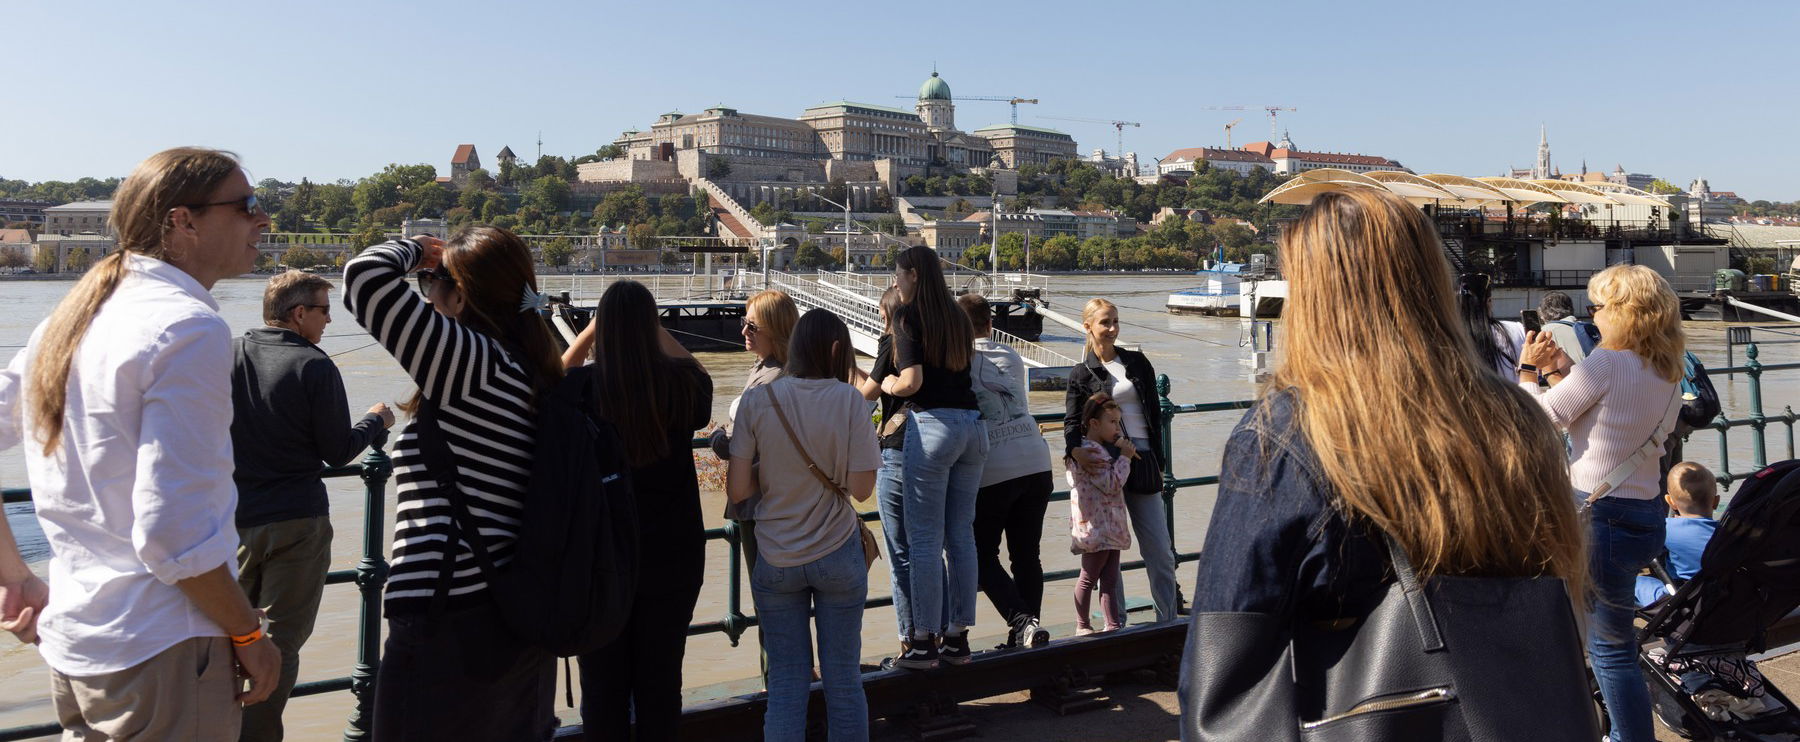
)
(138, 494)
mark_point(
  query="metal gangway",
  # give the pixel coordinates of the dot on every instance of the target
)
(863, 315)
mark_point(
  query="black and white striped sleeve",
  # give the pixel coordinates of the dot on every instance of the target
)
(446, 359)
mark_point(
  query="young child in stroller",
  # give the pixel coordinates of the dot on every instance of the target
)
(1693, 495)
(1746, 577)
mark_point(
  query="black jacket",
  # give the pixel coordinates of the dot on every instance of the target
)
(290, 419)
(1090, 376)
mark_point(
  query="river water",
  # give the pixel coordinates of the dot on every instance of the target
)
(1202, 356)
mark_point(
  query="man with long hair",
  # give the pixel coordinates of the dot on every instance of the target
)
(121, 399)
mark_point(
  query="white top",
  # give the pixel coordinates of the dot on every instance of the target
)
(1131, 409)
(1610, 403)
(150, 499)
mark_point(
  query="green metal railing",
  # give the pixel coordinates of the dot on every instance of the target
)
(376, 468)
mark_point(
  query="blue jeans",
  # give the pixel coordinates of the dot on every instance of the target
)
(945, 451)
(889, 495)
(833, 587)
(1625, 536)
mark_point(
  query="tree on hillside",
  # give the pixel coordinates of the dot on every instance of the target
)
(556, 253)
(1663, 187)
(623, 207)
(548, 193)
(718, 167)
(808, 257)
(300, 258)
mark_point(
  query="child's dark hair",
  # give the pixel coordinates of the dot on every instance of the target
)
(1094, 407)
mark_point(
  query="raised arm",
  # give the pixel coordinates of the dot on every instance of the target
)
(440, 354)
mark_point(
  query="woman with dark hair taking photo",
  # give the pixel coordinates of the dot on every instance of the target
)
(1386, 561)
(473, 341)
(946, 447)
(656, 395)
(810, 429)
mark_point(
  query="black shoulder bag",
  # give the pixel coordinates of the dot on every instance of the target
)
(1450, 658)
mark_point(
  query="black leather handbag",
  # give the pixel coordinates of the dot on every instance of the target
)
(1146, 475)
(1453, 658)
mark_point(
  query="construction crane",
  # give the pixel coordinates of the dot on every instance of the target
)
(1118, 126)
(1015, 101)
(1272, 111)
(1228, 132)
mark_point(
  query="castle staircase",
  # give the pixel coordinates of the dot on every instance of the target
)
(733, 219)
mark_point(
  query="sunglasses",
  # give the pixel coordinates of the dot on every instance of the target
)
(248, 204)
(1592, 308)
(326, 308)
(751, 326)
(429, 277)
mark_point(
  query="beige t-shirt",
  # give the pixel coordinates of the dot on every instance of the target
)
(799, 519)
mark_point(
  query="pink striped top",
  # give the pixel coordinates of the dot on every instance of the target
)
(1609, 404)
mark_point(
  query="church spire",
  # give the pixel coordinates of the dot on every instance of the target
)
(1542, 169)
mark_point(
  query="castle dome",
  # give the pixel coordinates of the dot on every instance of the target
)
(934, 88)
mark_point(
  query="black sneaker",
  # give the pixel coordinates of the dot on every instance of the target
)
(956, 649)
(919, 655)
(1032, 633)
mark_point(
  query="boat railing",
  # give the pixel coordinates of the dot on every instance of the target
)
(376, 469)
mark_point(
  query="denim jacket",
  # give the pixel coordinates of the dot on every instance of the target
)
(1277, 544)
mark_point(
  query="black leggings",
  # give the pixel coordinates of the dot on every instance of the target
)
(641, 670)
(1013, 509)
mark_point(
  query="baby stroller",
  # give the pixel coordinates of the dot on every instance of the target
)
(1695, 643)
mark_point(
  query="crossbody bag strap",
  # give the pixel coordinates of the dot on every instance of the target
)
(1652, 450)
(775, 400)
(440, 463)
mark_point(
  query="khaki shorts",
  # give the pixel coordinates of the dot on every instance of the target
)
(187, 692)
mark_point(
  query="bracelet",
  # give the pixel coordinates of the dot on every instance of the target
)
(1527, 368)
(245, 640)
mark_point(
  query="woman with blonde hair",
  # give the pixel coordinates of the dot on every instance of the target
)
(1618, 407)
(1127, 377)
(1383, 441)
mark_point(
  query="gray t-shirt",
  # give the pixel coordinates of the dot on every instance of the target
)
(799, 519)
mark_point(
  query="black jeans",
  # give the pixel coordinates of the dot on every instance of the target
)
(1013, 509)
(462, 676)
(641, 670)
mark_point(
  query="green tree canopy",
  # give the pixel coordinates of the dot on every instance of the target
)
(557, 252)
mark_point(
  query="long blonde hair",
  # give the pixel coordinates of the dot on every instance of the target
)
(774, 314)
(1094, 306)
(140, 217)
(1644, 314)
(1415, 434)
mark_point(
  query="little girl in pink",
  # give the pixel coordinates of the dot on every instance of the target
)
(1097, 525)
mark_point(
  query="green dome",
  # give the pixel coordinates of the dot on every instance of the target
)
(934, 89)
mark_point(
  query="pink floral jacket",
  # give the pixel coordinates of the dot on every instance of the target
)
(1097, 505)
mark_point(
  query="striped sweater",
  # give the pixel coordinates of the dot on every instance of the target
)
(484, 403)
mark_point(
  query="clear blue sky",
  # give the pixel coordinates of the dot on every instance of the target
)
(335, 89)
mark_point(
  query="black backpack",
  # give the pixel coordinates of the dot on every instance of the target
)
(1699, 411)
(569, 586)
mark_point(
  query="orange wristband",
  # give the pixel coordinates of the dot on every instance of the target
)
(244, 640)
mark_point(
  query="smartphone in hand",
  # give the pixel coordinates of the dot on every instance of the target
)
(1529, 318)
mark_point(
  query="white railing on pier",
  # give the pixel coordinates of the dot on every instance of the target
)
(863, 316)
(871, 285)
(585, 289)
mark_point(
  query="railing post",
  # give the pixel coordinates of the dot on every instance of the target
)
(1166, 448)
(1758, 449)
(735, 623)
(371, 576)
